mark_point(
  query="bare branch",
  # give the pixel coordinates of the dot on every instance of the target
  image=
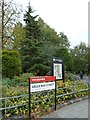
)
(8, 19)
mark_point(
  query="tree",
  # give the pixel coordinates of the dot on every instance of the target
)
(80, 57)
(49, 39)
(10, 15)
(53, 45)
(63, 42)
(40, 44)
(64, 54)
(19, 36)
(52, 42)
(31, 43)
(32, 28)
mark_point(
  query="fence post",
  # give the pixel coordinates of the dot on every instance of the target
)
(55, 96)
(5, 106)
(73, 89)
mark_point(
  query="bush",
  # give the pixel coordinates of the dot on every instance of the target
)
(11, 63)
(68, 76)
(9, 82)
(71, 76)
(21, 80)
(47, 97)
(23, 77)
(40, 69)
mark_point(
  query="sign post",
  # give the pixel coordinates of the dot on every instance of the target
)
(40, 84)
(29, 99)
(57, 68)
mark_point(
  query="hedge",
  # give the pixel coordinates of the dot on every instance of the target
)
(11, 63)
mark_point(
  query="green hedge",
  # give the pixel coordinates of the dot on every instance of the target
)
(11, 63)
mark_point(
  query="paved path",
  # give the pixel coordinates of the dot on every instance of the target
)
(75, 110)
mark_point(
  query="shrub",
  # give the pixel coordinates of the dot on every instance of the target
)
(68, 76)
(23, 77)
(71, 76)
(21, 80)
(39, 108)
(40, 69)
(11, 63)
(9, 82)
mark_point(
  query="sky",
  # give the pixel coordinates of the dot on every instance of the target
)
(68, 16)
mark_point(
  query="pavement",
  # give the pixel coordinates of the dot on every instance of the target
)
(76, 110)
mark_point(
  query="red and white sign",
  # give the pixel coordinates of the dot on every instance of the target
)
(42, 79)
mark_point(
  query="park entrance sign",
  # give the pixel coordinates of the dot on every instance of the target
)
(57, 68)
(41, 83)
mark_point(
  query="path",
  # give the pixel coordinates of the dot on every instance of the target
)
(75, 110)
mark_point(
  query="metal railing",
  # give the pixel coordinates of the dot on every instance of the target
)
(15, 106)
(26, 103)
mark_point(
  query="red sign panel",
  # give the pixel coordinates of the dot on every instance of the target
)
(42, 79)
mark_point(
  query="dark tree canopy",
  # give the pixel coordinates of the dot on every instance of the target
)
(31, 43)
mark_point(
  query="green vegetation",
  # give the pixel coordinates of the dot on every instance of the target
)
(11, 63)
(36, 43)
(80, 57)
(21, 80)
(27, 51)
(47, 98)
